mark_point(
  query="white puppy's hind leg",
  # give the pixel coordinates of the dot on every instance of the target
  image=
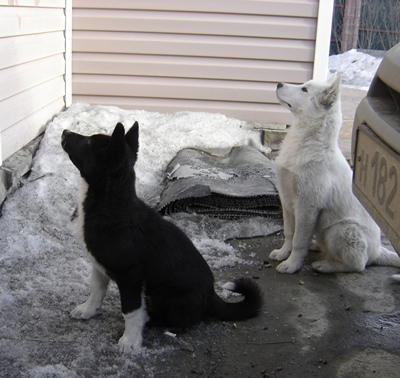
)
(131, 340)
(98, 287)
(348, 248)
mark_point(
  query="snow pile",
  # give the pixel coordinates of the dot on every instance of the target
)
(161, 136)
(356, 68)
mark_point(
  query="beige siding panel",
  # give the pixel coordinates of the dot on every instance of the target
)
(24, 21)
(191, 23)
(17, 79)
(217, 90)
(297, 8)
(24, 104)
(245, 111)
(12, 139)
(190, 67)
(26, 48)
(213, 55)
(193, 45)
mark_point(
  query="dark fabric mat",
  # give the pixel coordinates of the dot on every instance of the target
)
(240, 184)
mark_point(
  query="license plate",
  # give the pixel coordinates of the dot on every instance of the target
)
(376, 182)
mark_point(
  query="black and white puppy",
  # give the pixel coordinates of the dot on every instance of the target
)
(161, 276)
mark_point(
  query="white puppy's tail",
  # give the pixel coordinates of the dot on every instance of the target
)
(387, 258)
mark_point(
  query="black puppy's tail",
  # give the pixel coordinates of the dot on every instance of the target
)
(248, 308)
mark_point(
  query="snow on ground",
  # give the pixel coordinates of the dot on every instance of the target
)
(43, 273)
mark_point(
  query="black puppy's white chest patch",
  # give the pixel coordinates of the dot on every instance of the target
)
(78, 225)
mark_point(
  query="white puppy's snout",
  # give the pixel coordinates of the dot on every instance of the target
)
(279, 85)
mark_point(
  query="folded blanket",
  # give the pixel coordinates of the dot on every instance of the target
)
(238, 185)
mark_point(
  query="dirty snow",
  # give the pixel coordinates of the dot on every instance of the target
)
(43, 273)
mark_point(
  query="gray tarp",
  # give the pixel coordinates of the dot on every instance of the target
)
(240, 184)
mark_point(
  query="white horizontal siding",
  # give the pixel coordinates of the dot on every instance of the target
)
(34, 3)
(30, 74)
(23, 104)
(21, 21)
(222, 56)
(33, 125)
(23, 49)
(32, 68)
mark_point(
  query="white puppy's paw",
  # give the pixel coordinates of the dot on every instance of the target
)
(279, 254)
(322, 266)
(289, 267)
(84, 311)
(328, 266)
(129, 345)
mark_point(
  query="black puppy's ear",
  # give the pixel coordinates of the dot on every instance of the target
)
(132, 138)
(116, 147)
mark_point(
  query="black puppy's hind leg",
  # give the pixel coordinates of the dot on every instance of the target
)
(134, 312)
(98, 287)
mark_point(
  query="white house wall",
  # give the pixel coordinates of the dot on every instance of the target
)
(32, 68)
(211, 55)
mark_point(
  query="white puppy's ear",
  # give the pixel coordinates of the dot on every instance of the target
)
(331, 94)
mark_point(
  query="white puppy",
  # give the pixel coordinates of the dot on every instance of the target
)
(314, 183)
